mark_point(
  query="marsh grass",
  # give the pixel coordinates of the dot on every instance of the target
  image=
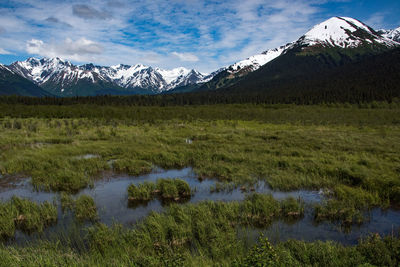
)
(348, 205)
(168, 190)
(173, 188)
(261, 210)
(8, 214)
(33, 217)
(67, 202)
(25, 215)
(85, 208)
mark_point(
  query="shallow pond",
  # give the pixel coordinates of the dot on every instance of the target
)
(110, 195)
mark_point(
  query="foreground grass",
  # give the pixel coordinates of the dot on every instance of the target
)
(203, 234)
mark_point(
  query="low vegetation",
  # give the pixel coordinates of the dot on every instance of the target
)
(85, 208)
(166, 189)
(347, 205)
(22, 214)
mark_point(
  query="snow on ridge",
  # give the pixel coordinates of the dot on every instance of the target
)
(171, 75)
(256, 61)
(393, 34)
(358, 23)
(64, 73)
(338, 31)
(5, 68)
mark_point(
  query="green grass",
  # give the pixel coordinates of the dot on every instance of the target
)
(25, 215)
(141, 192)
(173, 188)
(85, 209)
(8, 214)
(67, 202)
(166, 189)
(261, 210)
(347, 205)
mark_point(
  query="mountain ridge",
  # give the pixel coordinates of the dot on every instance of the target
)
(60, 76)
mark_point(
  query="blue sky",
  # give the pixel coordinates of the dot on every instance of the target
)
(204, 35)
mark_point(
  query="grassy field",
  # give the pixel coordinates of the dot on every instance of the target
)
(349, 152)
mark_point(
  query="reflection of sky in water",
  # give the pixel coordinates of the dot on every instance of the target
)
(110, 196)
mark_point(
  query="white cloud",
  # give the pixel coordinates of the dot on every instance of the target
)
(79, 50)
(4, 52)
(186, 56)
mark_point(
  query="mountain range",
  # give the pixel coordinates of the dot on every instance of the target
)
(328, 46)
(62, 78)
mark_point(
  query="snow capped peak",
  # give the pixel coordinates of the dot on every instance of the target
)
(62, 73)
(342, 32)
(171, 75)
(391, 34)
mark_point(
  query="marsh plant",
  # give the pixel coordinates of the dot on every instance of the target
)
(25, 215)
(84, 207)
(165, 189)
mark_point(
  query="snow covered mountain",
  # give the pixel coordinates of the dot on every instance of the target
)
(337, 32)
(60, 76)
(391, 34)
(343, 32)
(340, 32)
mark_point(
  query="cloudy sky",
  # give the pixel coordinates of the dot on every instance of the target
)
(197, 34)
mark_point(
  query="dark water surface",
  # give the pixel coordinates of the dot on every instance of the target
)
(110, 195)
